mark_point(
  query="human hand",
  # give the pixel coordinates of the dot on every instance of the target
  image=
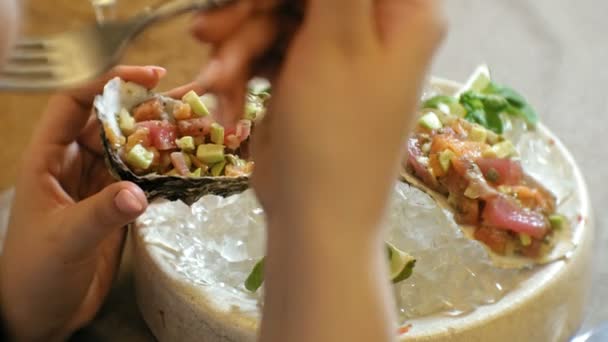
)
(65, 233)
(343, 98)
(328, 150)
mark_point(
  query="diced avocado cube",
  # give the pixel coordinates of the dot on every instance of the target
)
(185, 143)
(504, 149)
(445, 159)
(197, 173)
(557, 221)
(430, 121)
(478, 134)
(525, 239)
(488, 153)
(126, 122)
(217, 133)
(210, 153)
(173, 173)
(139, 157)
(216, 170)
(195, 102)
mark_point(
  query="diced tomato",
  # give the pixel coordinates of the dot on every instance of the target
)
(462, 149)
(140, 136)
(162, 133)
(179, 163)
(504, 213)
(232, 142)
(495, 239)
(435, 165)
(182, 111)
(501, 171)
(195, 127)
(420, 170)
(149, 110)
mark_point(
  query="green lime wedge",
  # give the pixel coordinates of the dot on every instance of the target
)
(401, 263)
(478, 81)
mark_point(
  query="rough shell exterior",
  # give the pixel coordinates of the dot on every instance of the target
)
(118, 94)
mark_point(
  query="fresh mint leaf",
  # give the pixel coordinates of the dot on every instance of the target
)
(477, 116)
(494, 121)
(435, 101)
(530, 115)
(494, 103)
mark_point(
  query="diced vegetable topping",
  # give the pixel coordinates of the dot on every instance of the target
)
(478, 134)
(182, 111)
(504, 149)
(430, 121)
(181, 163)
(126, 122)
(558, 222)
(140, 158)
(525, 239)
(217, 169)
(217, 134)
(181, 138)
(210, 153)
(185, 143)
(445, 159)
(195, 102)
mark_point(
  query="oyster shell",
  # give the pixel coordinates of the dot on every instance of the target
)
(559, 245)
(119, 94)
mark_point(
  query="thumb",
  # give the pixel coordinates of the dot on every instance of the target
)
(87, 223)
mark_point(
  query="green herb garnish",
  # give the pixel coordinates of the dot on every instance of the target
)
(486, 103)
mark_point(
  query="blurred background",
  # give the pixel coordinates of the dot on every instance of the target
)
(553, 51)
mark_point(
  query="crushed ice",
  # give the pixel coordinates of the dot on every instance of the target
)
(217, 241)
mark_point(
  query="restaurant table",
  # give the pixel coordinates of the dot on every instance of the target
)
(553, 51)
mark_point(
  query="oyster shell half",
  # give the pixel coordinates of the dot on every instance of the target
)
(120, 95)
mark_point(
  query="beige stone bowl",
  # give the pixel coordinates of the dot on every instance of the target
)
(548, 306)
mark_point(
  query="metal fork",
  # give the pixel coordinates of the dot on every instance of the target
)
(72, 58)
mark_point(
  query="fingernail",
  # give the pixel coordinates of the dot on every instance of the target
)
(158, 71)
(210, 74)
(127, 202)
